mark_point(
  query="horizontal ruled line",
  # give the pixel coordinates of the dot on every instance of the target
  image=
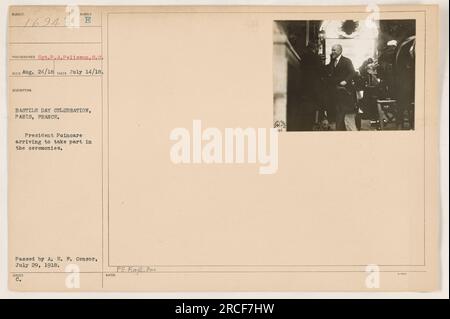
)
(214, 271)
(53, 26)
(53, 76)
(55, 42)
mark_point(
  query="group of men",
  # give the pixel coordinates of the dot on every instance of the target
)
(342, 83)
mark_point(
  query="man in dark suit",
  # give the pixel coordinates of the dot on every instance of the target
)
(342, 94)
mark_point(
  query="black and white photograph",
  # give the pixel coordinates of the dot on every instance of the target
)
(344, 75)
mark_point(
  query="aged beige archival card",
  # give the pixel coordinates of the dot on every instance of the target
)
(223, 148)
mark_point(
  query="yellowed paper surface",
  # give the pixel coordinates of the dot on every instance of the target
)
(97, 201)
